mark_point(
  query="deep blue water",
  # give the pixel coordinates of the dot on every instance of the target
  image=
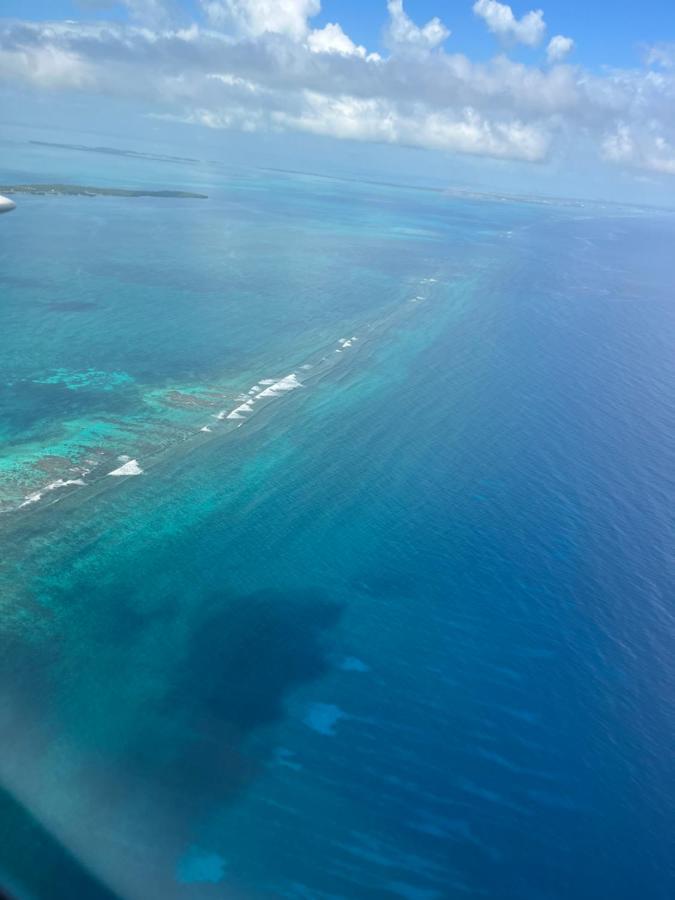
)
(405, 631)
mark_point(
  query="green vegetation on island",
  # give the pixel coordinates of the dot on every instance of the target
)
(77, 190)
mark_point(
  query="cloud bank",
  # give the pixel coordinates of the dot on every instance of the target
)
(260, 65)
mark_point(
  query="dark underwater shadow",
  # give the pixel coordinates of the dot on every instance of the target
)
(244, 658)
(188, 754)
(249, 651)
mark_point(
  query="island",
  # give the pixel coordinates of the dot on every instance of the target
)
(116, 151)
(77, 190)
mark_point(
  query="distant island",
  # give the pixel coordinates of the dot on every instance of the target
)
(116, 151)
(77, 190)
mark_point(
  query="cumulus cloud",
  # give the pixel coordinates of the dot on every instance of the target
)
(256, 17)
(643, 149)
(402, 31)
(332, 39)
(255, 65)
(381, 120)
(558, 48)
(499, 18)
(50, 67)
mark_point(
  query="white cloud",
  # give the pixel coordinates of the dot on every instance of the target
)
(619, 146)
(402, 31)
(48, 68)
(256, 17)
(381, 120)
(558, 48)
(663, 160)
(646, 149)
(499, 18)
(332, 39)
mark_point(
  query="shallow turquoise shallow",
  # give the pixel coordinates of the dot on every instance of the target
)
(402, 631)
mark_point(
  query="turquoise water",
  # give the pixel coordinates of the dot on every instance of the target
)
(401, 630)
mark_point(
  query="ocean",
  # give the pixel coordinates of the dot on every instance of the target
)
(379, 603)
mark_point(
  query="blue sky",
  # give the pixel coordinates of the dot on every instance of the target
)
(573, 97)
(606, 32)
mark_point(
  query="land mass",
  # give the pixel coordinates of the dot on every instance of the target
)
(77, 190)
(116, 151)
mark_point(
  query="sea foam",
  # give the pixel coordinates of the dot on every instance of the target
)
(61, 482)
(289, 383)
(129, 468)
(238, 410)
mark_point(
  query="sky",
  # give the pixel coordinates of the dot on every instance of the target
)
(574, 98)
